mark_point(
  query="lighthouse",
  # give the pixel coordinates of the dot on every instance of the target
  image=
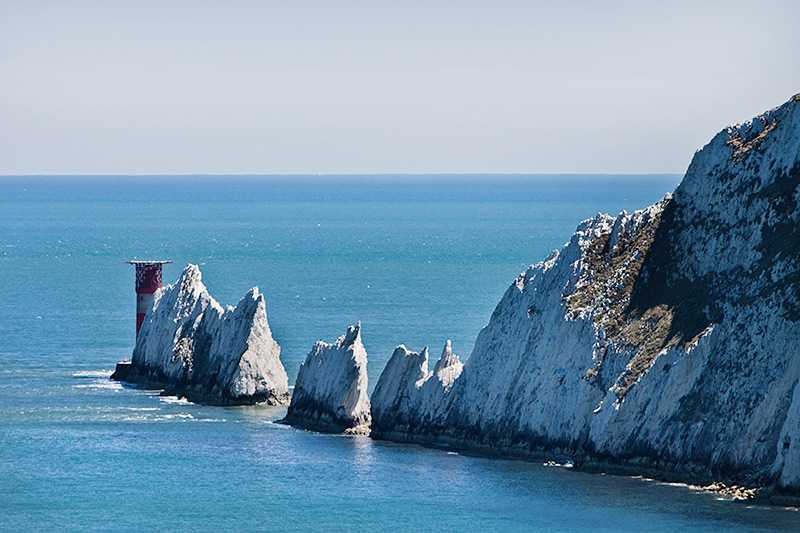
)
(148, 280)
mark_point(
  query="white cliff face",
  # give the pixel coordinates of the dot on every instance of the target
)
(447, 368)
(408, 395)
(330, 393)
(665, 338)
(191, 345)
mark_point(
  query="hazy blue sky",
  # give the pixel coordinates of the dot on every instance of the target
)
(429, 86)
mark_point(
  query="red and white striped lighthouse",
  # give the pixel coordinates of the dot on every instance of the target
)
(148, 281)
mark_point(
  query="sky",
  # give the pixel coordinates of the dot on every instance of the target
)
(283, 87)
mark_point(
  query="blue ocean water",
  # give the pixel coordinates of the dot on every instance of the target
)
(417, 259)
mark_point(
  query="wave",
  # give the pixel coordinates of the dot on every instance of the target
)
(92, 374)
(278, 425)
(175, 400)
(137, 418)
(176, 417)
(554, 464)
(101, 385)
(109, 409)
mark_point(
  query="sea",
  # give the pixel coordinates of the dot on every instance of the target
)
(417, 259)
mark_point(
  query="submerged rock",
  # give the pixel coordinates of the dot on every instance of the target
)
(330, 393)
(661, 340)
(192, 346)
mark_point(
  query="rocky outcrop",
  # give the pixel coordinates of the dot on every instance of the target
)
(190, 345)
(330, 393)
(408, 396)
(662, 340)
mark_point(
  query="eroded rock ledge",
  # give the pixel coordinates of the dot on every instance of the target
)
(191, 346)
(330, 393)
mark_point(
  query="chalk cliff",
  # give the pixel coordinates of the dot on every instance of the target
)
(408, 395)
(665, 339)
(190, 345)
(330, 393)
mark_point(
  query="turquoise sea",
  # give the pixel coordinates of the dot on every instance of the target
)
(417, 259)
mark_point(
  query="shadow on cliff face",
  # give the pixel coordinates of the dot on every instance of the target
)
(665, 308)
(645, 304)
(781, 240)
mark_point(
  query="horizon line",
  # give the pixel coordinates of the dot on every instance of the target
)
(338, 174)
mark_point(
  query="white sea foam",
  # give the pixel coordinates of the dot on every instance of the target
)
(276, 425)
(101, 385)
(175, 400)
(92, 373)
(177, 415)
(137, 418)
(555, 464)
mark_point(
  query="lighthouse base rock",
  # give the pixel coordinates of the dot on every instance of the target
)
(665, 340)
(190, 345)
